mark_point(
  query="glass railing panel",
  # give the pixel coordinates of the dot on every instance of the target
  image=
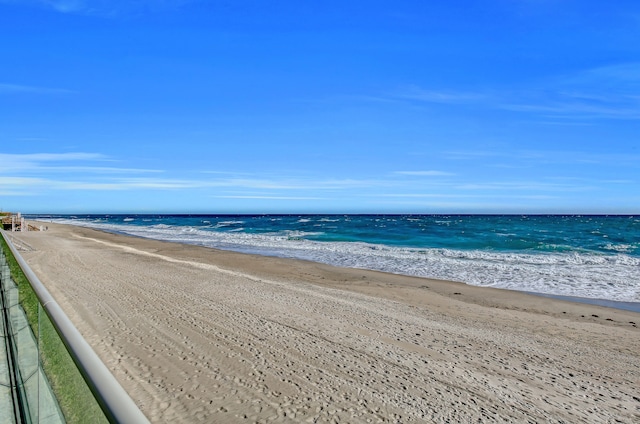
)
(76, 401)
(7, 412)
(26, 347)
(51, 387)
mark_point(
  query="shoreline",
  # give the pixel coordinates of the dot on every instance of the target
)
(196, 334)
(607, 303)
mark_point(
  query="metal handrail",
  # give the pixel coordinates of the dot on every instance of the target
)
(115, 402)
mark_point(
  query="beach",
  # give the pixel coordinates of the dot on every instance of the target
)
(195, 334)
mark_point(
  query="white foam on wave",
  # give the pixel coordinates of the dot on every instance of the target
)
(160, 226)
(329, 220)
(621, 247)
(582, 274)
(223, 224)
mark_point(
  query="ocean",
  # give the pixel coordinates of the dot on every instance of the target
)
(587, 256)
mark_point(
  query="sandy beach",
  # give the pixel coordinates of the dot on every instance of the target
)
(201, 335)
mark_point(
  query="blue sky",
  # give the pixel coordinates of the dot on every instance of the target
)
(178, 106)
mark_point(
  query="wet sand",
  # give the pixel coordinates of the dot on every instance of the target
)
(201, 335)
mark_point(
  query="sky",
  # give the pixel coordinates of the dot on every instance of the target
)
(246, 106)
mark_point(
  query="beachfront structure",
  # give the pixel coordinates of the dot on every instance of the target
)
(16, 222)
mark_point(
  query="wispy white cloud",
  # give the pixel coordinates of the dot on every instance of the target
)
(425, 195)
(619, 182)
(429, 173)
(42, 174)
(457, 187)
(125, 184)
(67, 6)
(17, 184)
(19, 181)
(106, 178)
(31, 89)
(291, 183)
(523, 186)
(61, 171)
(12, 193)
(103, 8)
(268, 197)
(581, 109)
(608, 92)
(455, 206)
(20, 186)
(44, 157)
(414, 92)
(610, 75)
(35, 161)
(462, 195)
(99, 170)
(509, 158)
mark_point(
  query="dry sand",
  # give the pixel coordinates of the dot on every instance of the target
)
(201, 335)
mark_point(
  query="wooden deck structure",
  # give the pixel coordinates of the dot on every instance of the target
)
(16, 222)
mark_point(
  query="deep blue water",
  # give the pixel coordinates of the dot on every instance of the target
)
(586, 256)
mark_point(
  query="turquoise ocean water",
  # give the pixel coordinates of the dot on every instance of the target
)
(586, 256)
